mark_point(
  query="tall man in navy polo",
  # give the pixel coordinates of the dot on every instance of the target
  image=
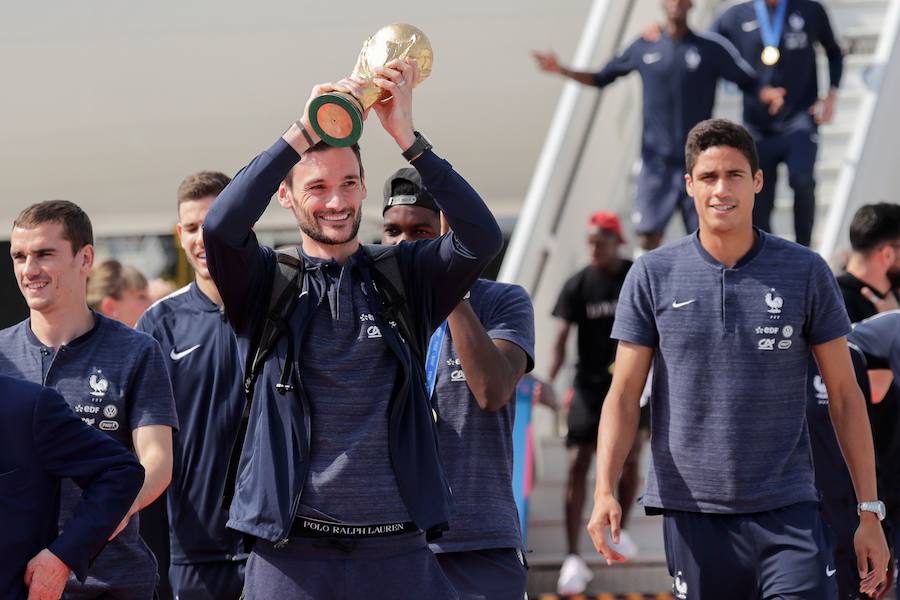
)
(679, 72)
(341, 450)
(778, 38)
(41, 442)
(728, 318)
(112, 376)
(207, 560)
(473, 364)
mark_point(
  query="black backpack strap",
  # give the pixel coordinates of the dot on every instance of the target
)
(286, 284)
(387, 275)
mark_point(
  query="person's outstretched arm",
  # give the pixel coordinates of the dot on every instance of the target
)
(443, 269)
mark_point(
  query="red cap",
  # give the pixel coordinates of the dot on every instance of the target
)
(607, 221)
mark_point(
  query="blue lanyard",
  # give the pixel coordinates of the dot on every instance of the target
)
(434, 354)
(770, 30)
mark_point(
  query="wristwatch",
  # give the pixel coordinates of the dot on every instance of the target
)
(419, 146)
(876, 507)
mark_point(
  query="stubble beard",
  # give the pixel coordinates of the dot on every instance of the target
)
(308, 225)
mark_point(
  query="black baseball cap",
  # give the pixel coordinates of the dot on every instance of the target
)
(421, 197)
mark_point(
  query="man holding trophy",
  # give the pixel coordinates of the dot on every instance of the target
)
(339, 479)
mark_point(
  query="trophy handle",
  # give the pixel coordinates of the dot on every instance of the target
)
(337, 118)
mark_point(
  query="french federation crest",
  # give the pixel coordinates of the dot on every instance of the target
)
(98, 383)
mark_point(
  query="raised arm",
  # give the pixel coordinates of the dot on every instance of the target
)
(496, 354)
(548, 63)
(445, 268)
(237, 263)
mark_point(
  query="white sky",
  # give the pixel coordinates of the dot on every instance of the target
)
(110, 103)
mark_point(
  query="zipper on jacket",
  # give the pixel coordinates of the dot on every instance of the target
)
(304, 404)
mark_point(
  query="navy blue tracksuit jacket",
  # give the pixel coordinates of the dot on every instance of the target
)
(41, 442)
(437, 273)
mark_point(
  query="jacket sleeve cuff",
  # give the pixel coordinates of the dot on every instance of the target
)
(72, 554)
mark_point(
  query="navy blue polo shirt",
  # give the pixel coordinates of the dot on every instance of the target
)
(348, 373)
(832, 476)
(806, 23)
(879, 339)
(679, 80)
(728, 403)
(476, 445)
(114, 378)
(202, 359)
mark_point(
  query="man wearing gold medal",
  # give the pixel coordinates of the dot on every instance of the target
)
(778, 37)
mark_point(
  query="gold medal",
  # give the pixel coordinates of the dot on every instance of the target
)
(770, 55)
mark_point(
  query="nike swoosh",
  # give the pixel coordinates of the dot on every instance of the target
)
(677, 304)
(830, 572)
(183, 353)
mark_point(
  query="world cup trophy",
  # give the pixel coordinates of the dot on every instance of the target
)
(337, 117)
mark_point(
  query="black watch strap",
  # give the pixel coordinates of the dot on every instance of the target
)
(419, 146)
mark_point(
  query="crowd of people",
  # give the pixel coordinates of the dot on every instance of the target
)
(333, 419)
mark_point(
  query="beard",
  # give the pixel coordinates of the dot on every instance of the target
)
(894, 277)
(310, 226)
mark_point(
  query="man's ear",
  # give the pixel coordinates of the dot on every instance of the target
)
(87, 258)
(108, 307)
(689, 184)
(758, 181)
(283, 198)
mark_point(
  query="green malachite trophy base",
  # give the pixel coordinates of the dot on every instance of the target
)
(336, 118)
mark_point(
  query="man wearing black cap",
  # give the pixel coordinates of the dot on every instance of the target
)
(474, 361)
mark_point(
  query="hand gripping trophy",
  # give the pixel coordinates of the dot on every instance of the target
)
(337, 117)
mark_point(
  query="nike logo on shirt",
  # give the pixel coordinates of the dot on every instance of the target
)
(677, 304)
(829, 572)
(183, 353)
(652, 57)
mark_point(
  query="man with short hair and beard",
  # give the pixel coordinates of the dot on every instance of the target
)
(112, 376)
(870, 281)
(728, 317)
(207, 560)
(340, 480)
(475, 359)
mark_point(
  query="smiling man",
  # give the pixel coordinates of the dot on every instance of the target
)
(112, 376)
(207, 560)
(728, 318)
(340, 479)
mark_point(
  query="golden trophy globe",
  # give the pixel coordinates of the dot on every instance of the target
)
(337, 117)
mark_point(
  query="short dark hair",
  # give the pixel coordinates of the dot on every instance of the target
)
(874, 225)
(202, 185)
(321, 146)
(75, 223)
(719, 132)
